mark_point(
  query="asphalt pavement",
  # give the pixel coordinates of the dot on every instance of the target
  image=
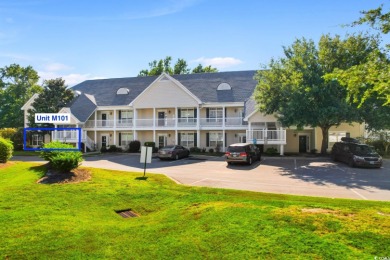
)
(315, 176)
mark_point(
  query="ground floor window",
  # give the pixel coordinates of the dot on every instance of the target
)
(215, 139)
(37, 140)
(187, 139)
(335, 136)
(125, 138)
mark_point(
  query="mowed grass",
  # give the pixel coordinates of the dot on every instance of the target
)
(78, 221)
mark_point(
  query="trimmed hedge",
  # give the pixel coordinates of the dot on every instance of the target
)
(6, 150)
(64, 161)
(134, 146)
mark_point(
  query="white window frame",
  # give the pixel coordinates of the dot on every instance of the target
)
(215, 139)
(36, 140)
(187, 139)
(187, 113)
(126, 114)
(126, 138)
(216, 114)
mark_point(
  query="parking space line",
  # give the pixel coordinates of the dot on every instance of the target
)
(357, 193)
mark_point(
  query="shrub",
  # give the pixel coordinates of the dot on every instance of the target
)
(271, 151)
(64, 161)
(211, 150)
(134, 146)
(195, 150)
(150, 144)
(103, 149)
(113, 148)
(6, 149)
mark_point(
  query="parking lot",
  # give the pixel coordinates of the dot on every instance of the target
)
(287, 175)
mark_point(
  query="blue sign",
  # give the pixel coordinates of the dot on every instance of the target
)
(51, 129)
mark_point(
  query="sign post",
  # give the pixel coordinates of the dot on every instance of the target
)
(146, 156)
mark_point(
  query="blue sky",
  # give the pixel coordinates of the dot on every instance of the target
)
(80, 40)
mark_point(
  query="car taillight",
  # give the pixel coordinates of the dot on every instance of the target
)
(227, 153)
(243, 154)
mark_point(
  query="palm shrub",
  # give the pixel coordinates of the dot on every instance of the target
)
(6, 149)
(61, 159)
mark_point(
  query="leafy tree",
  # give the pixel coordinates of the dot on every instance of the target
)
(370, 78)
(164, 65)
(17, 85)
(201, 69)
(294, 88)
(55, 95)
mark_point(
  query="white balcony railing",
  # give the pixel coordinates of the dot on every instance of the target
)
(66, 136)
(265, 136)
(167, 122)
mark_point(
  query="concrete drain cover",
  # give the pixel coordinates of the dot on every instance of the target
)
(127, 213)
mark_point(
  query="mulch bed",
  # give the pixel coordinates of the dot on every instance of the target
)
(5, 165)
(74, 176)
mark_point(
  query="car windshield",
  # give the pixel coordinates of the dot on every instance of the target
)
(169, 147)
(233, 149)
(362, 150)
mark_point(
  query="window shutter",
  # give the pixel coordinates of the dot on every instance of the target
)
(120, 139)
(195, 113)
(225, 114)
(195, 139)
(179, 113)
(207, 139)
(225, 139)
(208, 116)
(120, 115)
(179, 138)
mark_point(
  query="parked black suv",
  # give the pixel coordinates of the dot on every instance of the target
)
(354, 154)
(242, 153)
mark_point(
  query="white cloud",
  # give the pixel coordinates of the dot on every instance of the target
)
(70, 79)
(56, 67)
(219, 62)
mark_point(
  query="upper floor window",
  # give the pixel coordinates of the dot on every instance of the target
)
(215, 113)
(126, 114)
(187, 113)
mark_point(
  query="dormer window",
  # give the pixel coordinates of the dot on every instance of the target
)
(123, 91)
(224, 86)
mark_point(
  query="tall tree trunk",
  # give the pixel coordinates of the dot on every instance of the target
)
(325, 139)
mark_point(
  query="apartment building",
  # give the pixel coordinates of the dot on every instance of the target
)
(210, 110)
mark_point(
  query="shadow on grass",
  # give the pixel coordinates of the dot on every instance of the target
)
(40, 170)
(141, 178)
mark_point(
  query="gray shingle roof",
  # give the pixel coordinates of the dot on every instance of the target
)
(102, 92)
(82, 107)
(205, 85)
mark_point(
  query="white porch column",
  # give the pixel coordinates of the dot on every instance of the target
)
(281, 148)
(223, 116)
(223, 141)
(96, 139)
(154, 119)
(198, 138)
(197, 117)
(176, 116)
(176, 137)
(114, 137)
(95, 118)
(114, 121)
(154, 135)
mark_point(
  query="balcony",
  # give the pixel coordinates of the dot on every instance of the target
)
(265, 136)
(167, 123)
(71, 136)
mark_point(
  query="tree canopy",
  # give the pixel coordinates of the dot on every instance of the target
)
(369, 78)
(55, 95)
(180, 67)
(294, 88)
(17, 85)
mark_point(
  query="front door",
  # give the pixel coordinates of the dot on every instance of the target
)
(161, 118)
(104, 141)
(162, 141)
(303, 143)
(104, 118)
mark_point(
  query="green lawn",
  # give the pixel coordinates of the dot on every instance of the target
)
(78, 221)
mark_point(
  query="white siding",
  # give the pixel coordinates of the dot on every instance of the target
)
(164, 94)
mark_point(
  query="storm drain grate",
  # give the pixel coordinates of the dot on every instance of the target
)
(127, 213)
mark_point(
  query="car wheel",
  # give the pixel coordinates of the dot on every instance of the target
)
(333, 157)
(229, 163)
(250, 161)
